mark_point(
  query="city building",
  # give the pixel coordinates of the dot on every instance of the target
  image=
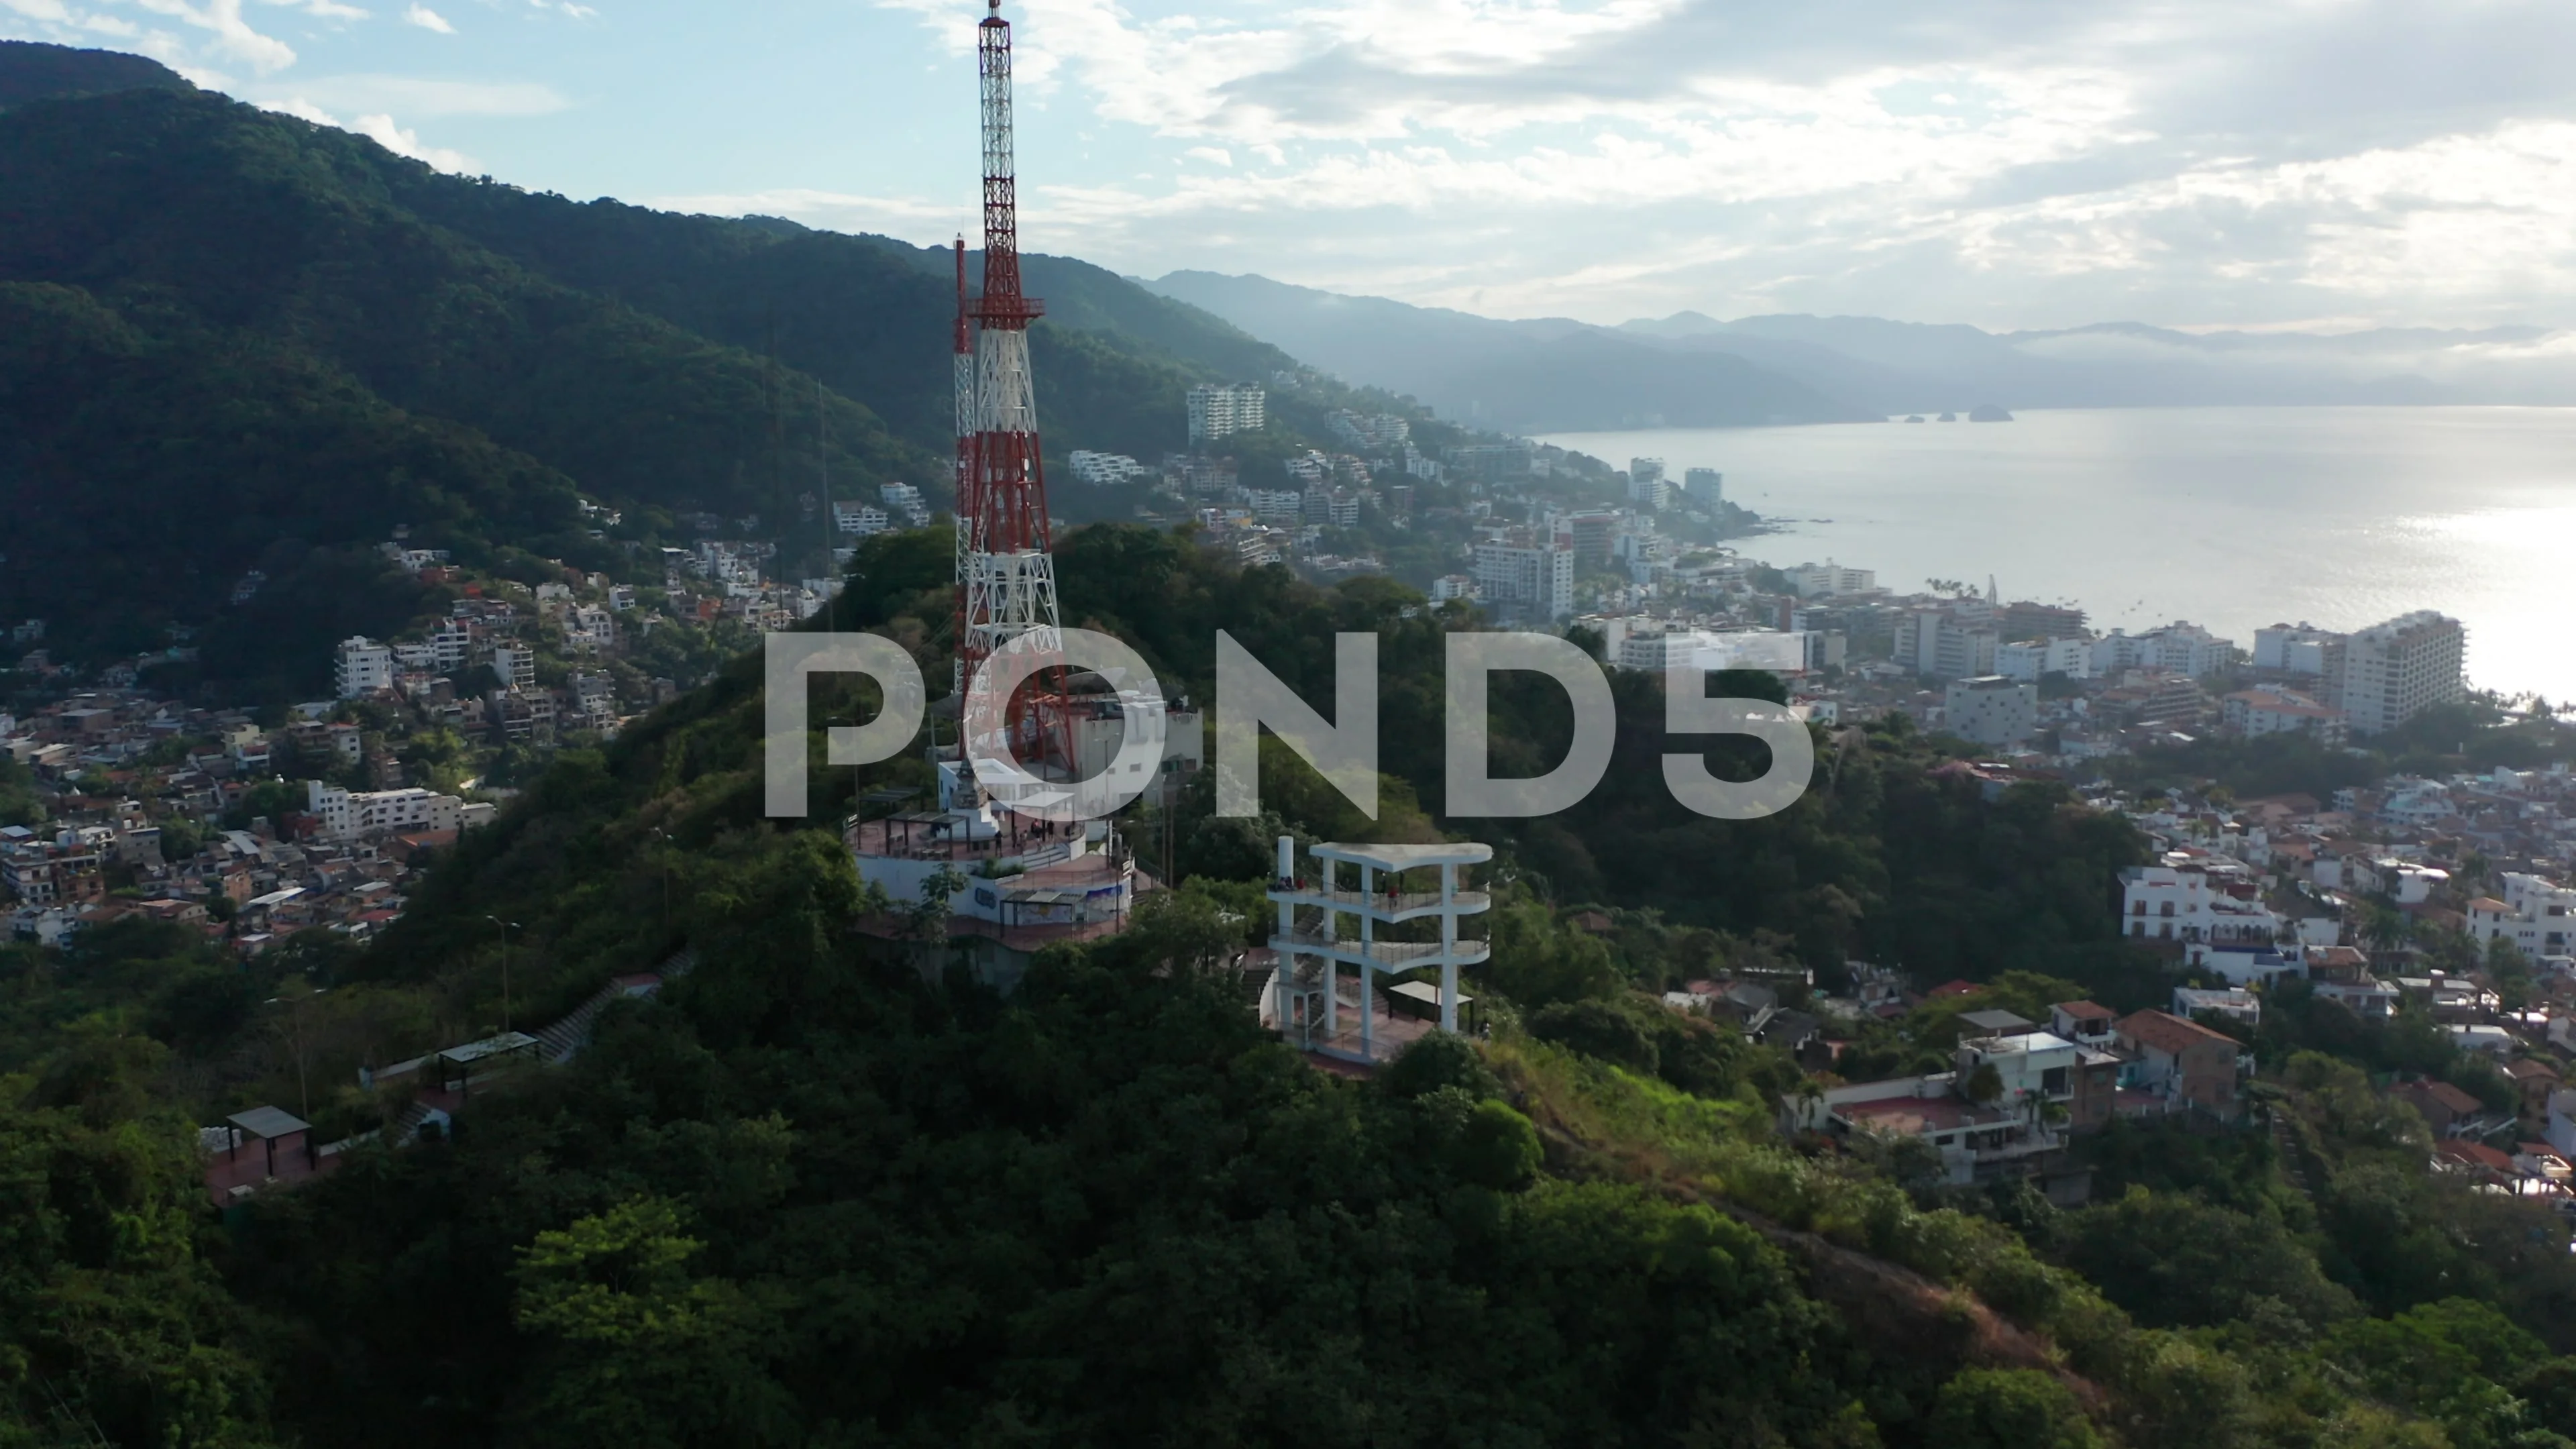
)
(1646, 484)
(1595, 537)
(2029, 620)
(905, 501)
(2180, 900)
(2032, 660)
(1104, 470)
(1704, 486)
(362, 667)
(347, 814)
(2397, 670)
(1537, 577)
(1991, 710)
(2256, 712)
(1976, 1141)
(2537, 915)
(1220, 409)
(859, 519)
(2179, 648)
(1827, 579)
(2186, 1064)
(515, 666)
(1677, 649)
(1940, 644)
(2305, 652)
(1383, 432)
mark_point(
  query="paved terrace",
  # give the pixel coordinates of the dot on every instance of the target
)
(1044, 887)
(910, 837)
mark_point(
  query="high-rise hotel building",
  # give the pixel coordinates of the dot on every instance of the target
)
(2395, 671)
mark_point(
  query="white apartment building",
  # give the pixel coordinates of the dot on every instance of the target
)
(1937, 643)
(2256, 712)
(1646, 479)
(2180, 647)
(905, 500)
(1772, 649)
(1452, 586)
(2179, 902)
(2034, 1066)
(1104, 470)
(590, 627)
(516, 666)
(2300, 648)
(1217, 409)
(1382, 431)
(347, 814)
(1975, 1140)
(2537, 914)
(858, 519)
(1277, 505)
(362, 667)
(1539, 577)
(1991, 710)
(1678, 649)
(2397, 670)
(2032, 660)
(1824, 580)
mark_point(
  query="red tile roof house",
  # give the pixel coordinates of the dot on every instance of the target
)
(2537, 1079)
(2184, 1062)
(2443, 1105)
(2460, 1154)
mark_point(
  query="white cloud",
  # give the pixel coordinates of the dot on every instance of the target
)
(324, 9)
(2387, 160)
(383, 131)
(420, 96)
(379, 129)
(233, 36)
(830, 210)
(1213, 155)
(427, 19)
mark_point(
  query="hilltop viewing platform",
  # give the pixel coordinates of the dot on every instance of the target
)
(1305, 1001)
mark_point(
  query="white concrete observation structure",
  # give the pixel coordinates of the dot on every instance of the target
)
(1306, 1003)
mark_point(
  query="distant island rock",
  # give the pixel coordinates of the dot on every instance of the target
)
(1988, 413)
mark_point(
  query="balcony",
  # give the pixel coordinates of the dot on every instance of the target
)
(1381, 955)
(1381, 906)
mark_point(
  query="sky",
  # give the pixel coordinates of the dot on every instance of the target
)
(2319, 164)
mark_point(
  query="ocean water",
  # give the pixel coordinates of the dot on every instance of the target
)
(2229, 517)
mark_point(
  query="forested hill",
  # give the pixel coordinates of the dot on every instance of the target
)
(234, 340)
(33, 71)
(805, 1196)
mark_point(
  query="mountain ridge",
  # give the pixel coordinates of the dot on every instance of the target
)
(1876, 367)
(663, 365)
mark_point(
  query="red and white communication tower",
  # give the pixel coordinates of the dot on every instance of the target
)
(1005, 573)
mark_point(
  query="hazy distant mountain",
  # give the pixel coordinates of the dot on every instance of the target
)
(1693, 370)
(1911, 366)
(1528, 376)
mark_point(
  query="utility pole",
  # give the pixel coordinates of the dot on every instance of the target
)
(506, 928)
(664, 837)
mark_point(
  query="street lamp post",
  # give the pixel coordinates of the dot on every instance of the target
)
(664, 837)
(506, 928)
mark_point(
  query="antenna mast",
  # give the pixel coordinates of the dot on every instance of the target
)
(1006, 572)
